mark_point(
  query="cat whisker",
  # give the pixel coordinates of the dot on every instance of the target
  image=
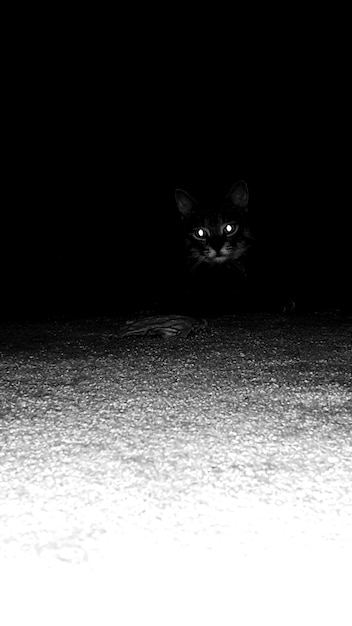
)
(193, 266)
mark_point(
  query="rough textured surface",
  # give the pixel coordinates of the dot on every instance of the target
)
(195, 480)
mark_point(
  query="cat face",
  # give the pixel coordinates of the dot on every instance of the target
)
(215, 237)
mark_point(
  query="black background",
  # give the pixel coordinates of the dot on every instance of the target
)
(101, 135)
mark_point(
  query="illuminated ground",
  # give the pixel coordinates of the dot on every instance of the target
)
(205, 480)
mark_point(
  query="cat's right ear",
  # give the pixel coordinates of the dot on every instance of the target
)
(238, 194)
(185, 202)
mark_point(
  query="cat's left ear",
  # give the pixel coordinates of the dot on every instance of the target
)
(185, 202)
(238, 194)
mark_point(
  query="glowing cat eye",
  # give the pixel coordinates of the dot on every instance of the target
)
(200, 233)
(230, 229)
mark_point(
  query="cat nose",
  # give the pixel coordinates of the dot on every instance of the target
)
(217, 244)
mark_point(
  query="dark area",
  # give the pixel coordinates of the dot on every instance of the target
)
(89, 224)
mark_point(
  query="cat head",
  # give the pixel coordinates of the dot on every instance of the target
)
(215, 236)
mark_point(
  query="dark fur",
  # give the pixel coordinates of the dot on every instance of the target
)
(218, 242)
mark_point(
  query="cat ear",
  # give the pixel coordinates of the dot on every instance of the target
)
(238, 194)
(185, 202)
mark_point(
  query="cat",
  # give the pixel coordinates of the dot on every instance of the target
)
(218, 242)
(228, 266)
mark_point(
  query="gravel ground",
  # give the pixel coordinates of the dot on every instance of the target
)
(199, 480)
